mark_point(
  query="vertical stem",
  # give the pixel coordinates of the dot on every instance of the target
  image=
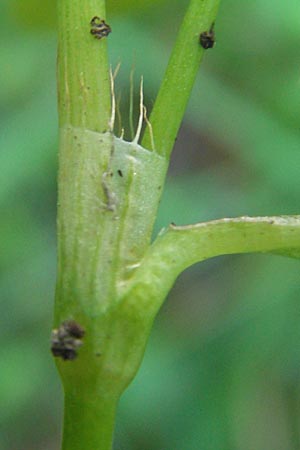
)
(180, 75)
(84, 104)
(94, 417)
(83, 71)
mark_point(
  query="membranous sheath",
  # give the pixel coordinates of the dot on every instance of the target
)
(109, 190)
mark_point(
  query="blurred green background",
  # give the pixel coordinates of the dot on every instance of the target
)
(222, 368)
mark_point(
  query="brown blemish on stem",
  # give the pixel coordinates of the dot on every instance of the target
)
(66, 339)
(99, 28)
(207, 38)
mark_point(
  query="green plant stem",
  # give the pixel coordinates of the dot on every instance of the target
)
(95, 419)
(83, 71)
(179, 78)
(110, 280)
(84, 108)
(108, 193)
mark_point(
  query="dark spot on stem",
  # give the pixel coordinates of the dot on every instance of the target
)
(120, 173)
(207, 38)
(66, 339)
(99, 28)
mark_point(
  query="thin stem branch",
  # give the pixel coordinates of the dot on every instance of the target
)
(179, 78)
(180, 247)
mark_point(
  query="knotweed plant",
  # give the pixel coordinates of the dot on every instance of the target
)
(112, 280)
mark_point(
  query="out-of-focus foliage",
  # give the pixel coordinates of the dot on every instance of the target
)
(222, 368)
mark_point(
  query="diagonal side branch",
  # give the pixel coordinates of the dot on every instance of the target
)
(178, 81)
(179, 247)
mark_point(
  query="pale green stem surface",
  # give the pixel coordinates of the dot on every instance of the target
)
(183, 66)
(88, 422)
(180, 247)
(105, 222)
(83, 71)
(84, 103)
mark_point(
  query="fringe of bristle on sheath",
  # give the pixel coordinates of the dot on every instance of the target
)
(142, 113)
